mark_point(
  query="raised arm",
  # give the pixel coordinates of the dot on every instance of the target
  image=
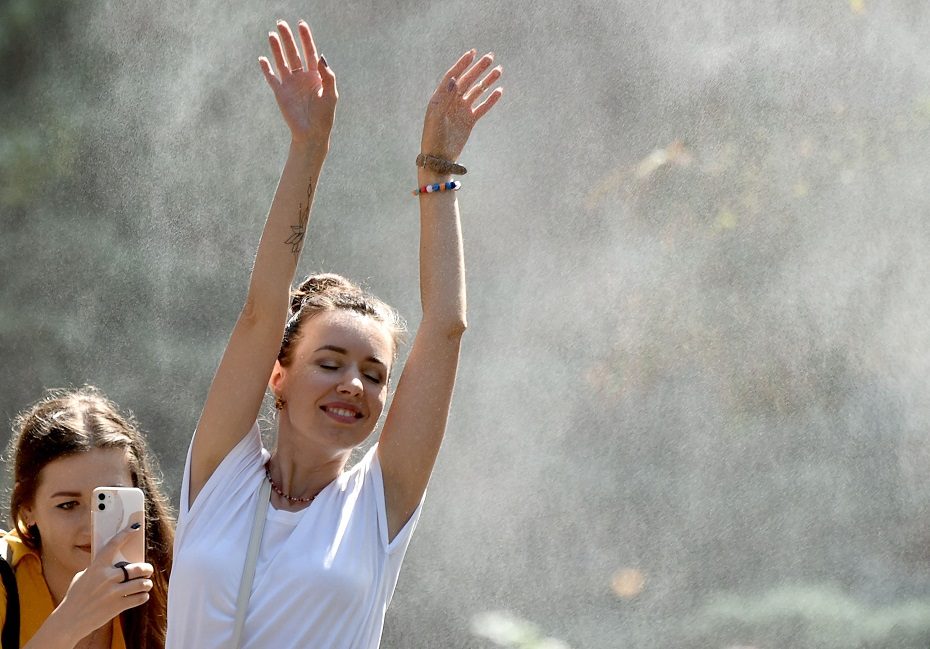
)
(416, 422)
(305, 90)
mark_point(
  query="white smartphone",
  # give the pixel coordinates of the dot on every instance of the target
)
(114, 509)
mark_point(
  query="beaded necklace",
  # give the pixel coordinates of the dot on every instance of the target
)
(278, 490)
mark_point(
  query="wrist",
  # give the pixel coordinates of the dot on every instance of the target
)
(61, 631)
(429, 177)
(440, 164)
(310, 147)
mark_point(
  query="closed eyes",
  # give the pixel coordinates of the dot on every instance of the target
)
(332, 367)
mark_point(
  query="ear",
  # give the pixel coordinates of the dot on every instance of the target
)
(26, 516)
(277, 377)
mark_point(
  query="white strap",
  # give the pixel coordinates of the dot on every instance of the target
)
(6, 551)
(251, 557)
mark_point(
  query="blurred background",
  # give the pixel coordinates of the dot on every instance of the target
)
(693, 406)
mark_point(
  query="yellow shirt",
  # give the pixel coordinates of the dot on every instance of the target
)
(35, 602)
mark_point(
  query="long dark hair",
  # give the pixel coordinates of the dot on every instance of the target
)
(66, 422)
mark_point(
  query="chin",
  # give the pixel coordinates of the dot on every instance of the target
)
(81, 561)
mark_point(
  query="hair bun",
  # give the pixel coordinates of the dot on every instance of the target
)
(323, 284)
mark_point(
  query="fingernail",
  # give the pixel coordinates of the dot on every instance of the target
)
(323, 59)
(136, 526)
(270, 34)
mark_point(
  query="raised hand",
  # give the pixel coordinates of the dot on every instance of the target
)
(454, 109)
(100, 593)
(305, 88)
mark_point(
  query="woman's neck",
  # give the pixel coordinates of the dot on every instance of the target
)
(301, 469)
(57, 578)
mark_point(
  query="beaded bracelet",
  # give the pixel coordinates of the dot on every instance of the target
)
(452, 185)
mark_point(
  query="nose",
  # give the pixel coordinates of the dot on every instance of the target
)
(86, 530)
(351, 384)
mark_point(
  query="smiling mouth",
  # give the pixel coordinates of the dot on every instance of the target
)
(341, 413)
(83, 548)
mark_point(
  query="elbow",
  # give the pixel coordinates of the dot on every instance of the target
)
(250, 310)
(252, 313)
(449, 327)
(256, 315)
(456, 329)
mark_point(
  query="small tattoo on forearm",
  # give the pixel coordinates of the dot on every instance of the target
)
(296, 240)
(297, 237)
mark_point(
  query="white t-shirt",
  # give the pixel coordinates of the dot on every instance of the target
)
(324, 577)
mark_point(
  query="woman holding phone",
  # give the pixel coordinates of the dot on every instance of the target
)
(63, 447)
(330, 539)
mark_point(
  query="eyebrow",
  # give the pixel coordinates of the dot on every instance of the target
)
(77, 494)
(343, 351)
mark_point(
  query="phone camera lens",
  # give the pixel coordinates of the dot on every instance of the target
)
(101, 496)
(101, 506)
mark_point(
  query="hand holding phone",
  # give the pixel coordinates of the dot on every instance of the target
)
(115, 509)
(117, 578)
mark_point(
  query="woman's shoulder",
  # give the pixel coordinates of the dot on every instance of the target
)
(13, 550)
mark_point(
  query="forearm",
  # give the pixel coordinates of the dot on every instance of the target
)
(285, 230)
(442, 265)
(55, 633)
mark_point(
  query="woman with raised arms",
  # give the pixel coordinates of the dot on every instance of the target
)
(323, 541)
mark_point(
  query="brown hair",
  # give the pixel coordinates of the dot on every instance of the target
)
(331, 292)
(67, 422)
